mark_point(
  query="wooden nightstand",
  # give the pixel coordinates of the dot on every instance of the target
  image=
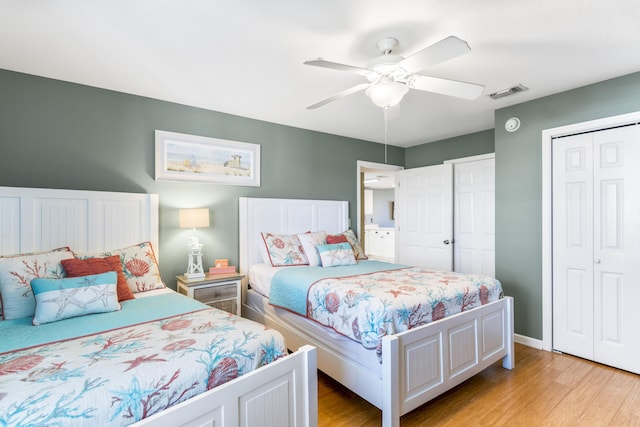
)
(217, 290)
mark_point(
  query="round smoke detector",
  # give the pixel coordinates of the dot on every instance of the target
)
(512, 124)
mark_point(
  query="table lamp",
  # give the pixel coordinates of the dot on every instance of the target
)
(194, 218)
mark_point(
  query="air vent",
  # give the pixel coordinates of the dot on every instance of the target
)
(508, 92)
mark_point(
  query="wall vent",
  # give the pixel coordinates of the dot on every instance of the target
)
(508, 92)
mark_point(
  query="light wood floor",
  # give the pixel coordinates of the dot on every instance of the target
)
(545, 389)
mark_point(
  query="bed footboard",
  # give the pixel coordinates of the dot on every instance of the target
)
(427, 361)
(283, 393)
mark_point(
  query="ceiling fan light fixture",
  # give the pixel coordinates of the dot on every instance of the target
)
(387, 94)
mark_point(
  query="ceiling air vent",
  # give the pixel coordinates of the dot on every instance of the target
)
(508, 92)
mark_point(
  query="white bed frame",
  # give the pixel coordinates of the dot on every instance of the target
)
(419, 364)
(282, 393)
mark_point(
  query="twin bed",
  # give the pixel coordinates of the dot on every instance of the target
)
(160, 358)
(153, 357)
(397, 365)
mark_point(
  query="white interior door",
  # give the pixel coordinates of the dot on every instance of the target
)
(596, 244)
(424, 211)
(474, 217)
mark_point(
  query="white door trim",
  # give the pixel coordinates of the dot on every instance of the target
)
(472, 158)
(547, 256)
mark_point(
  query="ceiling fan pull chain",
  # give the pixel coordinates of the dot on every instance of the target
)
(386, 126)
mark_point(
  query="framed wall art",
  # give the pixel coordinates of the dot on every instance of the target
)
(182, 157)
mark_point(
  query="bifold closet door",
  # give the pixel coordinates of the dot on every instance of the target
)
(596, 246)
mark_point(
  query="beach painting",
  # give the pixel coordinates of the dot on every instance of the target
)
(182, 157)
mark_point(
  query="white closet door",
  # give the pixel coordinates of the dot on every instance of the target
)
(596, 214)
(474, 217)
(424, 210)
(617, 247)
(573, 245)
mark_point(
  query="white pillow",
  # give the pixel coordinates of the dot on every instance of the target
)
(284, 250)
(309, 242)
(16, 273)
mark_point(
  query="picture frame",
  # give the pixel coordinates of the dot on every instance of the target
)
(183, 157)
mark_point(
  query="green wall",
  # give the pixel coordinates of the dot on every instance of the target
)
(435, 153)
(55, 134)
(519, 184)
(60, 135)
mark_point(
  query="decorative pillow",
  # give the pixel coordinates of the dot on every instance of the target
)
(309, 242)
(139, 266)
(284, 250)
(333, 255)
(350, 237)
(84, 267)
(58, 299)
(16, 273)
(338, 238)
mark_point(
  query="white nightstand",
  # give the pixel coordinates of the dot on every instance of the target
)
(217, 290)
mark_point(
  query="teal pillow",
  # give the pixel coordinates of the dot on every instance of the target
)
(336, 254)
(58, 299)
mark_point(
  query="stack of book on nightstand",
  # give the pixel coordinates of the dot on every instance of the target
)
(222, 267)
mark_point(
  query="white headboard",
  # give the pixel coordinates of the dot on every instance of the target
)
(285, 216)
(40, 219)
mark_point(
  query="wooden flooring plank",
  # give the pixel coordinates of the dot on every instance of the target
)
(545, 388)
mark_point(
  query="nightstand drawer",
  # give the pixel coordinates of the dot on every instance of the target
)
(215, 293)
(221, 291)
(226, 305)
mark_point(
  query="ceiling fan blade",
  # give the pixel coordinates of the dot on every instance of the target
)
(445, 49)
(340, 67)
(346, 92)
(445, 87)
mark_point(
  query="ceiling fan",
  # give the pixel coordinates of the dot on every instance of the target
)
(391, 76)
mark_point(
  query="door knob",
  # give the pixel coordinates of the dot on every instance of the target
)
(597, 261)
(446, 242)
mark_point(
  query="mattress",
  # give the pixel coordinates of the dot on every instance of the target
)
(372, 299)
(260, 277)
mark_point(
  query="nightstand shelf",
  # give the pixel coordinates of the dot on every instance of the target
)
(221, 291)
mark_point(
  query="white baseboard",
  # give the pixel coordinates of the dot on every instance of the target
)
(529, 342)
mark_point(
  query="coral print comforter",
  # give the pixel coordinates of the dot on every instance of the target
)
(374, 299)
(118, 376)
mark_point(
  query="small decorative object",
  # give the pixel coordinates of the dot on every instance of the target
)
(222, 270)
(181, 157)
(194, 218)
(223, 262)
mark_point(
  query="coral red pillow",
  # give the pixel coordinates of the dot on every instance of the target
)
(350, 237)
(84, 267)
(340, 238)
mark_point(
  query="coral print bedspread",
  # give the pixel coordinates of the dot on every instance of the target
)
(391, 299)
(120, 376)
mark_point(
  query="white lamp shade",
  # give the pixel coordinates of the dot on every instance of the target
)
(387, 94)
(193, 218)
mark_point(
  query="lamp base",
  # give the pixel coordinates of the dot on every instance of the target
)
(195, 270)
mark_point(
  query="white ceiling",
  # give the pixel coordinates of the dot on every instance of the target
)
(244, 57)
